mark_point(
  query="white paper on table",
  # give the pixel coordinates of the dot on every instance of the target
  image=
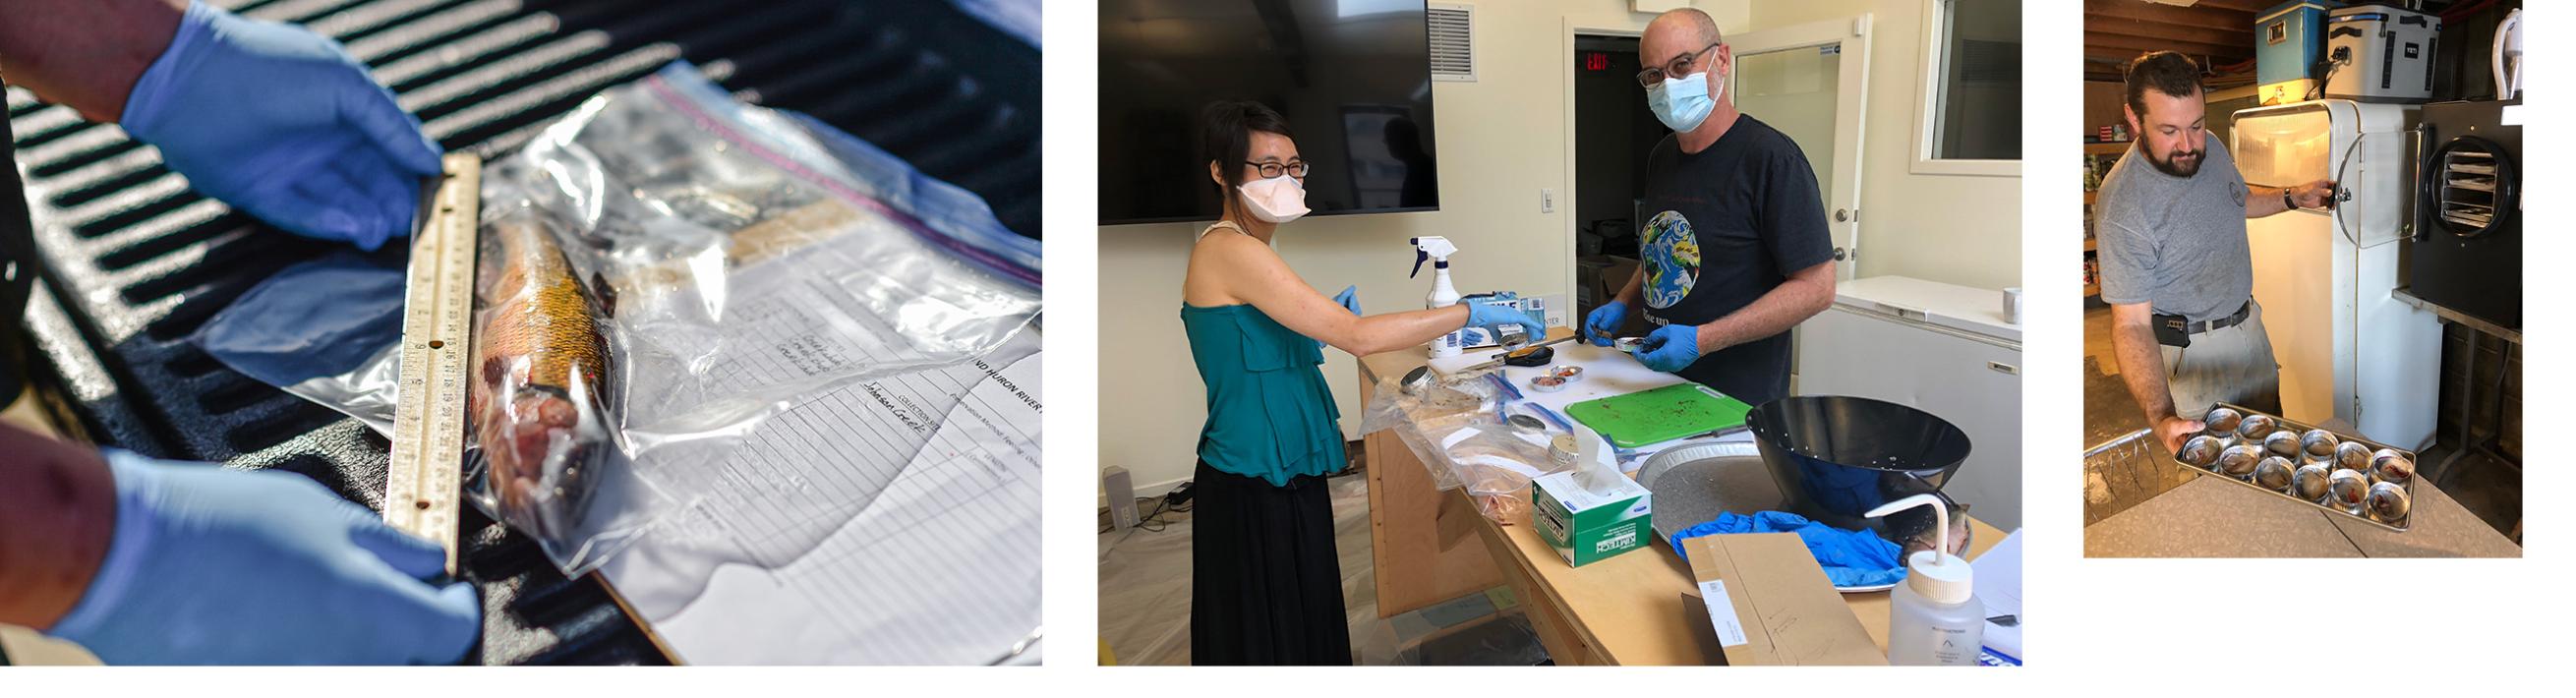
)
(939, 565)
(1998, 586)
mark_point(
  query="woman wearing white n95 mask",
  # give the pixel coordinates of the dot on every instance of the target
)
(1266, 579)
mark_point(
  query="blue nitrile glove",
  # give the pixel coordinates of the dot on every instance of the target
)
(216, 566)
(281, 123)
(1603, 322)
(1494, 317)
(1350, 300)
(1669, 348)
(1850, 558)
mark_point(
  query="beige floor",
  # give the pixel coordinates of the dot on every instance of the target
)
(1145, 600)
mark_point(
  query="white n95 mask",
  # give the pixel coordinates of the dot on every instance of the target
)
(1275, 200)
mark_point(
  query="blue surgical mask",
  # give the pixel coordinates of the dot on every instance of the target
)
(1682, 102)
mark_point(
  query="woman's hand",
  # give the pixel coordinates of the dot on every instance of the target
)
(1493, 317)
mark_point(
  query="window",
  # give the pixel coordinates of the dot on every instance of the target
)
(1971, 106)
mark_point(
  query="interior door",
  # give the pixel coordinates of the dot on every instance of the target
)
(1811, 81)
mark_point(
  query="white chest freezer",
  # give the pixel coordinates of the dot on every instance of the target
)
(1943, 349)
(2347, 347)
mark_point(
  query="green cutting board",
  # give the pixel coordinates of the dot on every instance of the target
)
(1659, 415)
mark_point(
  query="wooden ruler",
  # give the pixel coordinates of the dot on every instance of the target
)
(423, 474)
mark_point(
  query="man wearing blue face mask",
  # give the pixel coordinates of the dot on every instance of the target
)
(1734, 244)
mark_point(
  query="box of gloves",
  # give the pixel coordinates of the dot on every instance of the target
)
(1592, 512)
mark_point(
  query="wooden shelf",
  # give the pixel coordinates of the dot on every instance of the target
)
(2091, 290)
(2106, 148)
(2090, 244)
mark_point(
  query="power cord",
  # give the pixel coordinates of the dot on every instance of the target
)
(1177, 501)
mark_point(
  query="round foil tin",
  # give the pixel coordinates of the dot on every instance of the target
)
(2239, 461)
(1569, 373)
(2346, 490)
(1562, 450)
(2309, 483)
(2392, 469)
(1628, 344)
(1547, 384)
(2273, 473)
(2387, 462)
(2351, 456)
(2319, 443)
(2282, 443)
(2221, 420)
(2201, 450)
(2388, 503)
(2255, 426)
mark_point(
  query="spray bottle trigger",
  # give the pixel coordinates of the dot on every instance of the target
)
(1419, 256)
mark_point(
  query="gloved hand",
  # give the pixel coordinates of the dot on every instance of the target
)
(1603, 322)
(281, 123)
(215, 566)
(1670, 348)
(1494, 317)
(1350, 300)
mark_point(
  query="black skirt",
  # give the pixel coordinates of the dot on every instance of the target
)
(1266, 582)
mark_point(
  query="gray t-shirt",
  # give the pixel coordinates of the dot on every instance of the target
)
(2177, 244)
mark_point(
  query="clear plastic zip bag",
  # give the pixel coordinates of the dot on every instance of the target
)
(664, 269)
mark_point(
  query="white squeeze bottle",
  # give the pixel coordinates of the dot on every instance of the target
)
(1436, 250)
(1934, 618)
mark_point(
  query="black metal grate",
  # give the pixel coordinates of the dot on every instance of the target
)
(136, 261)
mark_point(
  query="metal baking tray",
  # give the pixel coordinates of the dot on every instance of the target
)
(2370, 476)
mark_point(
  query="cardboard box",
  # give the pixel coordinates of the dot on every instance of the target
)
(1771, 605)
(1586, 527)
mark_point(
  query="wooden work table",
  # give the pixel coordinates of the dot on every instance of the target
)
(1431, 545)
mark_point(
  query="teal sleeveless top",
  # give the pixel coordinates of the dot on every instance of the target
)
(1270, 414)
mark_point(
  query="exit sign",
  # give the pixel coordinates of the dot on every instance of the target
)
(1595, 60)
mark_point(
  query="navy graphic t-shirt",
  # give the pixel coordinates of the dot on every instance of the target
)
(1724, 226)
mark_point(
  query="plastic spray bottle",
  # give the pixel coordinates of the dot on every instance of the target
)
(1934, 618)
(1436, 250)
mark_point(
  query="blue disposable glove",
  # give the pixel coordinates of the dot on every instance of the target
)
(281, 123)
(1669, 348)
(1850, 558)
(1494, 317)
(1603, 322)
(1350, 300)
(216, 566)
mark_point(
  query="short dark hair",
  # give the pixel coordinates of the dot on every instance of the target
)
(2163, 71)
(1225, 129)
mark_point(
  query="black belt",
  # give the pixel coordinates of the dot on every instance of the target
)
(2174, 331)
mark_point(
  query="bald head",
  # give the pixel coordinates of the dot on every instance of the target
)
(1677, 33)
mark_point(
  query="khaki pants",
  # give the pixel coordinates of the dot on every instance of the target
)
(2231, 365)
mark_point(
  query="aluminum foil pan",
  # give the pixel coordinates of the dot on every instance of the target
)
(2339, 473)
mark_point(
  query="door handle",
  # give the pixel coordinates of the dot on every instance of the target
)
(1841, 254)
(1844, 215)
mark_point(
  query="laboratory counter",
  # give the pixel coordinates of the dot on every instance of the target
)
(2209, 518)
(1431, 545)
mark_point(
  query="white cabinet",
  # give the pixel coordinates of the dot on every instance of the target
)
(1935, 347)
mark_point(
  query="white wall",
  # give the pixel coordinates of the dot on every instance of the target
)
(1501, 140)
(1957, 229)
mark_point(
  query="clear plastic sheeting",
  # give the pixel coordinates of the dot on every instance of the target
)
(730, 262)
(1461, 427)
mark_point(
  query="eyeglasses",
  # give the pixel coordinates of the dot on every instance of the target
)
(1681, 65)
(1294, 168)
